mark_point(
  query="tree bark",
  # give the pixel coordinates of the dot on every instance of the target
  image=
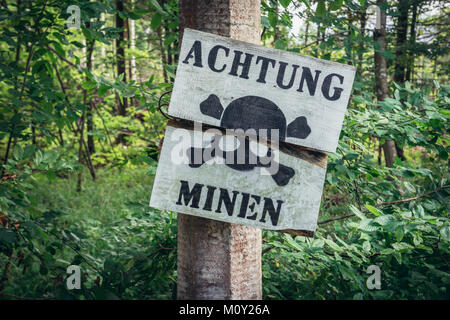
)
(362, 30)
(163, 54)
(218, 260)
(120, 56)
(276, 31)
(306, 32)
(412, 41)
(401, 52)
(381, 78)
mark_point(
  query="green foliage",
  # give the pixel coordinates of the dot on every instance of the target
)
(57, 83)
(127, 250)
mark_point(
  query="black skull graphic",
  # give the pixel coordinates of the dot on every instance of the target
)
(250, 112)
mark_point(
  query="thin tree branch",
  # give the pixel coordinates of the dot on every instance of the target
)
(386, 204)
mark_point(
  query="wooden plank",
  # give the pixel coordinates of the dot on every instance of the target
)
(234, 84)
(260, 200)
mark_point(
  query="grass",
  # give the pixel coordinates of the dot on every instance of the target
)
(119, 233)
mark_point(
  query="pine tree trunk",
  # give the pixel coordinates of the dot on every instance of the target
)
(218, 260)
(401, 52)
(412, 41)
(381, 79)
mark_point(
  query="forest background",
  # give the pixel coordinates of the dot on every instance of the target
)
(80, 130)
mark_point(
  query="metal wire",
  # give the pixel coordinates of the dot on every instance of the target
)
(160, 105)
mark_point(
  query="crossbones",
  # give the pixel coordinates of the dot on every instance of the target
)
(249, 112)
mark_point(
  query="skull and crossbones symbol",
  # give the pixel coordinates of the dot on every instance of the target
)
(249, 112)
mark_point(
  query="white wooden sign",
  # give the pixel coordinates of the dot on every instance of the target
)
(234, 84)
(286, 199)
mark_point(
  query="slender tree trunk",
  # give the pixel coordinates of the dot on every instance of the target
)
(362, 24)
(89, 104)
(132, 45)
(103, 48)
(120, 56)
(86, 117)
(163, 54)
(163, 50)
(132, 36)
(90, 128)
(306, 32)
(412, 41)
(348, 48)
(218, 260)
(381, 78)
(276, 31)
(401, 52)
(80, 153)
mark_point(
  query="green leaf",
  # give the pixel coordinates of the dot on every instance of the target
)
(88, 85)
(336, 5)
(372, 209)
(38, 157)
(350, 156)
(265, 22)
(321, 9)
(156, 21)
(285, 3)
(18, 152)
(59, 49)
(158, 8)
(50, 156)
(402, 246)
(419, 212)
(292, 242)
(333, 245)
(29, 151)
(357, 212)
(399, 234)
(367, 226)
(102, 90)
(273, 19)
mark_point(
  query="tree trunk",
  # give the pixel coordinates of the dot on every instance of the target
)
(381, 78)
(412, 41)
(163, 54)
(218, 260)
(362, 30)
(401, 52)
(90, 128)
(120, 56)
(348, 48)
(306, 32)
(276, 31)
(131, 25)
(87, 116)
